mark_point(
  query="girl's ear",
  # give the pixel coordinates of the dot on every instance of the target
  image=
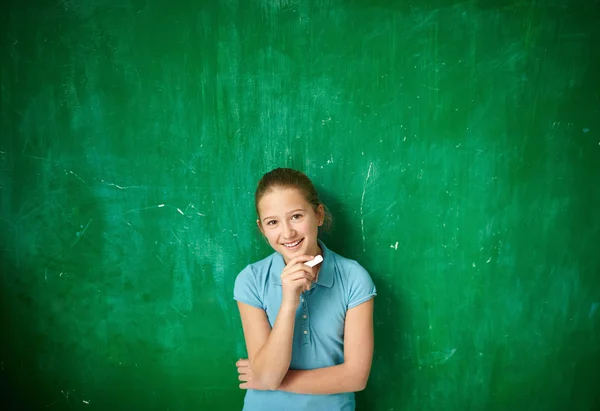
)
(320, 214)
(260, 226)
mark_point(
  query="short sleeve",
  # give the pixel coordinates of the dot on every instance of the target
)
(246, 288)
(361, 287)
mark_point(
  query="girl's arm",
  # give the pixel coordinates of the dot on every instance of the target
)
(269, 350)
(350, 376)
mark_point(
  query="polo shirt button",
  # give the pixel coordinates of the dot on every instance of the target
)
(304, 316)
(302, 300)
(305, 332)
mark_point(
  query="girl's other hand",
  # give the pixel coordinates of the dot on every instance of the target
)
(248, 381)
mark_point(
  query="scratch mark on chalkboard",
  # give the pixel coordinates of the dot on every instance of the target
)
(188, 166)
(362, 202)
(86, 402)
(489, 259)
(51, 404)
(180, 242)
(143, 208)
(593, 309)
(80, 234)
(42, 158)
(179, 312)
(182, 287)
(80, 179)
(180, 212)
(450, 354)
(394, 246)
(437, 357)
(114, 185)
(118, 186)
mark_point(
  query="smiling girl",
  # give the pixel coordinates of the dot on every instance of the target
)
(308, 331)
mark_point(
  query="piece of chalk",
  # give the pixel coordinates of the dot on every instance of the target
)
(314, 261)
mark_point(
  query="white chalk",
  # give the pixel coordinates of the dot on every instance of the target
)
(314, 261)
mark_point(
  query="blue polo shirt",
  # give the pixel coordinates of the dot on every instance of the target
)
(319, 329)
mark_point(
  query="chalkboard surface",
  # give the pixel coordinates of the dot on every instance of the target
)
(457, 145)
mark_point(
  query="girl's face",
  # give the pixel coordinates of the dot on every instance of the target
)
(289, 222)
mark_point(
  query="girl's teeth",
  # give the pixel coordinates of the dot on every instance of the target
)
(293, 244)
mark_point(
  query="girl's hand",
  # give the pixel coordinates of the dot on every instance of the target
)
(295, 278)
(248, 382)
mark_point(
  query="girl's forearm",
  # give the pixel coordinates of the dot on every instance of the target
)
(272, 361)
(329, 380)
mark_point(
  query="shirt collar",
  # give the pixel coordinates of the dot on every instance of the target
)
(325, 277)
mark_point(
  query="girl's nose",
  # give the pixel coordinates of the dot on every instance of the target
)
(288, 231)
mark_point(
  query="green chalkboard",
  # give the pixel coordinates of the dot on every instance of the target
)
(457, 145)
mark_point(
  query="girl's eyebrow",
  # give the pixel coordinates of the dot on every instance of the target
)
(290, 212)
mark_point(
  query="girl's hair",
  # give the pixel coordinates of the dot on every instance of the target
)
(289, 178)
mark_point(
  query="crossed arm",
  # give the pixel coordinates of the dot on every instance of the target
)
(270, 350)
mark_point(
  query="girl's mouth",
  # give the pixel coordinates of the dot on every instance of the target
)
(293, 245)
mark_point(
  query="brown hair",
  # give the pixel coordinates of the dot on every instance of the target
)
(289, 178)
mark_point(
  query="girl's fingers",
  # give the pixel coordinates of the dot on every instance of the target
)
(295, 268)
(299, 273)
(300, 259)
(296, 276)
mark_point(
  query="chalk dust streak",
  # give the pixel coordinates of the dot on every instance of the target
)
(362, 201)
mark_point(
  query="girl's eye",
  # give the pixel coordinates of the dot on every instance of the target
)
(271, 222)
(296, 216)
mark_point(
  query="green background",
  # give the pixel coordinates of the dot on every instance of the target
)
(457, 145)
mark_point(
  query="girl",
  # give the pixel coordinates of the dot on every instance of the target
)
(308, 331)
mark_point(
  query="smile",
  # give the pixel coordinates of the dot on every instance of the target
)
(294, 244)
